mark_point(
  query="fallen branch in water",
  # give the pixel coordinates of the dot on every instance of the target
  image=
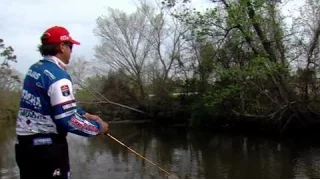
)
(95, 94)
(93, 102)
(129, 121)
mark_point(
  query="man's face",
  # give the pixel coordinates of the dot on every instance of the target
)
(66, 49)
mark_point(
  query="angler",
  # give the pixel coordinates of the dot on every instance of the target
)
(48, 112)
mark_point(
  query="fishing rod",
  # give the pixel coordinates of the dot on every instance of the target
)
(94, 94)
(170, 175)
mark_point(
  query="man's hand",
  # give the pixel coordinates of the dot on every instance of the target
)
(92, 117)
(105, 126)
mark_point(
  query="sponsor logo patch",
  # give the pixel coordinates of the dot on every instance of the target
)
(49, 74)
(42, 141)
(65, 90)
(31, 99)
(68, 106)
(33, 74)
(84, 126)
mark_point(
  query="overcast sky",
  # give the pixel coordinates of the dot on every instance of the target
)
(23, 22)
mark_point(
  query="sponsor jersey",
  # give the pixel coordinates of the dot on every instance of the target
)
(48, 104)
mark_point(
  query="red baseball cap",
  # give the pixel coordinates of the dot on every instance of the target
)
(57, 34)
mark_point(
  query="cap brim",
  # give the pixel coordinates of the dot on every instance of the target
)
(74, 42)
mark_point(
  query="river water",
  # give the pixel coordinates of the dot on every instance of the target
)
(183, 153)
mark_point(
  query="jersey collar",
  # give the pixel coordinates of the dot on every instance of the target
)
(57, 61)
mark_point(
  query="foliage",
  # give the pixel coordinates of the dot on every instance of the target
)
(238, 59)
(9, 83)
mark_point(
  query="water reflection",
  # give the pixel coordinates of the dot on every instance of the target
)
(184, 153)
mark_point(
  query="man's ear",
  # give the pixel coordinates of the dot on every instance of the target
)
(62, 47)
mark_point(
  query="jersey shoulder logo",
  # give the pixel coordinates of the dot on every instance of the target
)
(65, 90)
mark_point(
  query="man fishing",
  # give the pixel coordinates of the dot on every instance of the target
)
(48, 111)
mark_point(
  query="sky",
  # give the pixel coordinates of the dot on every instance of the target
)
(23, 22)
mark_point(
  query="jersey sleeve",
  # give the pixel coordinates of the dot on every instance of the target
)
(80, 111)
(66, 113)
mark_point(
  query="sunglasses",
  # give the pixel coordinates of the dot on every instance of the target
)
(70, 45)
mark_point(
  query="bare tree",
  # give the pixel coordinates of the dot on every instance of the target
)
(166, 40)
(308, 25)
(9, 79)
(80, 69)
(124, 42)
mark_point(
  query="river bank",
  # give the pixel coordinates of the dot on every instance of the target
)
(231, 125)
(248, 126)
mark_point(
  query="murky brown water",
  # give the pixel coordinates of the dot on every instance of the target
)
(186, 154)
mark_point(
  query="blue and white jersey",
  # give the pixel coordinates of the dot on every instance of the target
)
(48, 104)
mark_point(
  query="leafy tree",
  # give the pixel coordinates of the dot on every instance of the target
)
(9, 83)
